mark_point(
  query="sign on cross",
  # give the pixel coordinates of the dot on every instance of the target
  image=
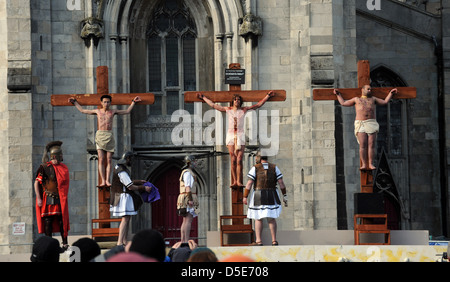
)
(94, 100)
(349, 93)
(227, 97)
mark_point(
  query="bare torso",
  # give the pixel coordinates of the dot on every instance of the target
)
(105, 119)
(365, 108)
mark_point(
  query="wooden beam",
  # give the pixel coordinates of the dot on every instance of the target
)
(102, 80)
(94, 99)
(226, 96)
(349, 93)
(363, 73)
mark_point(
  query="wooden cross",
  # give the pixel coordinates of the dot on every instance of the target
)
(102, 89)
(364, 79)
(94, 100)
(226, 97)
(349, 93)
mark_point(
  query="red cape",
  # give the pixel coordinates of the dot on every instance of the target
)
(62, 177)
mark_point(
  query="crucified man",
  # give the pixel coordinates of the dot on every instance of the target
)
(235, 138)
(104, 138)
(366, 125)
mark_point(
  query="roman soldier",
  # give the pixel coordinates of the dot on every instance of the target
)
(51, 186)
(265, 201)
(124, 201)
(187, 202)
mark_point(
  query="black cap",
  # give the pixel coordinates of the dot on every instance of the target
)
(46, 249)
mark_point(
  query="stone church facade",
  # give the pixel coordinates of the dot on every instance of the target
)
(167, 47)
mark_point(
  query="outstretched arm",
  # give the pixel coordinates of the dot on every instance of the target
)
(211, 103)
(341, 100)
(130, 108)
(262, 102)
(78, 106)
(387, 99)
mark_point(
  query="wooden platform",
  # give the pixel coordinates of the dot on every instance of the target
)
(239, 227)
(334, 246)
(105, 232)
(329, 237)
(371, 224)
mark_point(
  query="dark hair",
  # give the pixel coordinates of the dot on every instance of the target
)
(234, 97)
(106, 96)
(150, 243)
(202, 255)
(89, 249)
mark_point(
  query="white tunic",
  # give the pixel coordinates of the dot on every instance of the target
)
(188, 180)
(125, 206)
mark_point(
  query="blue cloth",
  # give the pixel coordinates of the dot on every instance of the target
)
(152, 196)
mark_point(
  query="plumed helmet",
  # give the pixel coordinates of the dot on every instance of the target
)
(189, 159)
(54, 148)
(127, 155)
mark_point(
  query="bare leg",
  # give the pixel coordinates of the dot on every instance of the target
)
(362, 138)
(102, 167)
(123, 230)
(108, 167)
(186, 228)
(371, 146)
(239, 173)
(273, 228)
(233, 160)
(258, 230)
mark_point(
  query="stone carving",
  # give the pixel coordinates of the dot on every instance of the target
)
(250, 26)
(91, 28)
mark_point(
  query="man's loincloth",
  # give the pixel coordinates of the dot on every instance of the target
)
(104, 140)
(369, 126)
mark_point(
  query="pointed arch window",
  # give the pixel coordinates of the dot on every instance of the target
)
(171, 37)
(392, 118)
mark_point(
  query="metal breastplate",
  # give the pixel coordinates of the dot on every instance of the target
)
(116, 185)
(265, 178)
(49, 182)
(50, 185)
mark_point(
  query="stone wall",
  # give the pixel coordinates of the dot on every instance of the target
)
(59, 67)
(16, 126)
(4, 177)
(446, 105)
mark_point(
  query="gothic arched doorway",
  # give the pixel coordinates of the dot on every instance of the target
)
(392, 144)
(164, 216)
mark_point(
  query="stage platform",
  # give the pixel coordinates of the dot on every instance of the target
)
(332, 246)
